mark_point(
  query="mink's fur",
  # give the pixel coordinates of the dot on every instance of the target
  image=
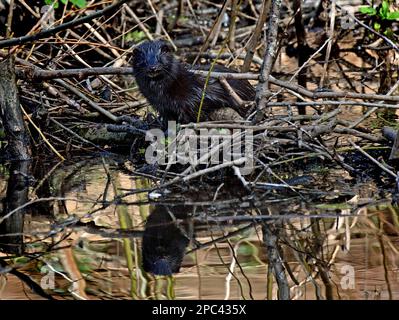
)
(175, 92)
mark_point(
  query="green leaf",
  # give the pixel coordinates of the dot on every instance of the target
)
(135, 36)
(377, 26)
(49, 2)
(79, 3)
(368, 10)
(383, 12)
(388, 33)
(393, 15)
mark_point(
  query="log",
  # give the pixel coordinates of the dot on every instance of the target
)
(11, 114)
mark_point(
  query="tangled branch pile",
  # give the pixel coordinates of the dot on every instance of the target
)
(323, 86)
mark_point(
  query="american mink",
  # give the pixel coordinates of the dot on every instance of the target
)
(175, 92)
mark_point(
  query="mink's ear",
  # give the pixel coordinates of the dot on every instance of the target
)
(136, 56)
(135, 53)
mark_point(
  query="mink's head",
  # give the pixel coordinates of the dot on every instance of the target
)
(153, 59)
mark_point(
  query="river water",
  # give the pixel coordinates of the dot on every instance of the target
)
(92, 229)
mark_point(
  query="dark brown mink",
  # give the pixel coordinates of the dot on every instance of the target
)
(175, 92)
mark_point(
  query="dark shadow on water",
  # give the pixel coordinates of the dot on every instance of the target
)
(164, 242)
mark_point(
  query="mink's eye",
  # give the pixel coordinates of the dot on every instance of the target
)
(165, 48)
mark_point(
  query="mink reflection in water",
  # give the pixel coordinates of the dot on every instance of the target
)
(164, 243)
(175, 92)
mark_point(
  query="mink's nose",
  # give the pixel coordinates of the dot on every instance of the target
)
(153, 71)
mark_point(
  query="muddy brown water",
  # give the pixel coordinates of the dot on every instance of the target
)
(74, 241)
